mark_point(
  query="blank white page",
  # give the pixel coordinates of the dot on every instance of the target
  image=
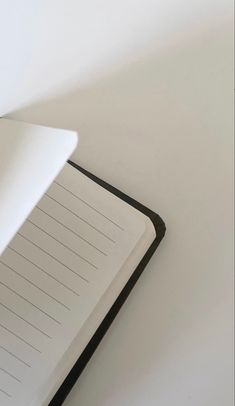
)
(23, 148)
(54, 273)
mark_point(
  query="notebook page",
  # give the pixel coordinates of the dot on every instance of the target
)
(53, 274)
(23, 148)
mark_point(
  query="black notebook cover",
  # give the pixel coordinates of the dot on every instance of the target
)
(160, 228)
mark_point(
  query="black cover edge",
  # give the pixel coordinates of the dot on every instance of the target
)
(87, 353)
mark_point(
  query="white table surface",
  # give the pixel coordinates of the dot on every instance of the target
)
(160, 129)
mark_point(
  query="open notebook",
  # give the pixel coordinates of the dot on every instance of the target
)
(66, 271)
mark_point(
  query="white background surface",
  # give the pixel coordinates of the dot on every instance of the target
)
(149, 86)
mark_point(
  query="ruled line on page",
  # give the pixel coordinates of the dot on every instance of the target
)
(80, 218)
(20, 338)
(5, 393)
(89, 205)
(35, 286)
(72, 231)
(43, 271)
(64, 245)
(50, 255)
(10, 374)
(32, 304)
(26, 321)
(15, 356)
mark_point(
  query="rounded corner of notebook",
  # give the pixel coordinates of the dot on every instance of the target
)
(74, 139)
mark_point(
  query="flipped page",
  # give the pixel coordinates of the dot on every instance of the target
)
(31, 156)
(52, 276)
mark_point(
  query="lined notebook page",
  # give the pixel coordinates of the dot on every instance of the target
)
(53, 274)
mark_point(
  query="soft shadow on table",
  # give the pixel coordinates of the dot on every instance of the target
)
(157, 98)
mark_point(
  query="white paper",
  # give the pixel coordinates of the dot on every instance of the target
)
(30, 158)
(52, 277)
